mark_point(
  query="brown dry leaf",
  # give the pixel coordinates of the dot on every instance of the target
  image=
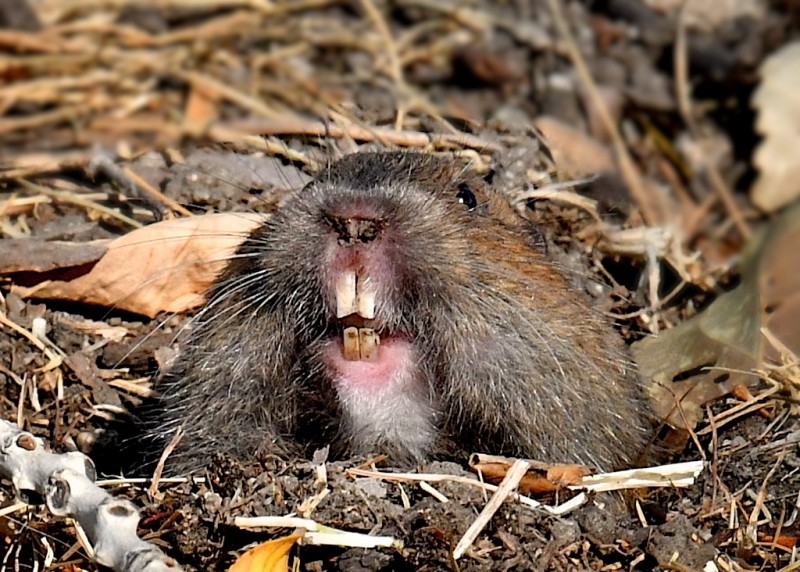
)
(575, 152)
(532, 485)
(567, 475)
(163, 267)
(33, 255)
(727, 335)
(779, 284)
(778, 108)
(744, 395)
(201, 109)
(534, 482)
(556, 477)
(270, 556)
(541, 478)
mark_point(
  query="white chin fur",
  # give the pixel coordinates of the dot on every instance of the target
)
(396, 412)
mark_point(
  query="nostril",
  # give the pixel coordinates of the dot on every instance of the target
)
(352, 230)
(364, 230)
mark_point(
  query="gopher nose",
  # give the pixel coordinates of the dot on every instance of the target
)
(354, 230)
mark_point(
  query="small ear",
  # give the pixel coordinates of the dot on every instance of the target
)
(534, 236)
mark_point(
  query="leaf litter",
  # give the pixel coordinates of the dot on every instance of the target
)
(202, 107)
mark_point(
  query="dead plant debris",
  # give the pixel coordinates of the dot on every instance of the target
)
(124, 126)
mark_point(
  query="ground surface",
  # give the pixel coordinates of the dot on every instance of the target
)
(227, 107)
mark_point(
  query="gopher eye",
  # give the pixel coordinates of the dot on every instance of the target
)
(466, 197)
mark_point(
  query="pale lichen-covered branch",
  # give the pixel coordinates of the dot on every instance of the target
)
(65, 483)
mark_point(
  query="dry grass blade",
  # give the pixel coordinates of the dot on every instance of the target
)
(674, 475)
(513, 477)
(316, 533)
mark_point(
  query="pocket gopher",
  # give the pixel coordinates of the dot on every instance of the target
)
(398, 304)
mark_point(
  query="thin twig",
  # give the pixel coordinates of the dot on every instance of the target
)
(395, 66)
(313, 128)
(80, 201)
(155, 193)
(683, 95)
(652, 212)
